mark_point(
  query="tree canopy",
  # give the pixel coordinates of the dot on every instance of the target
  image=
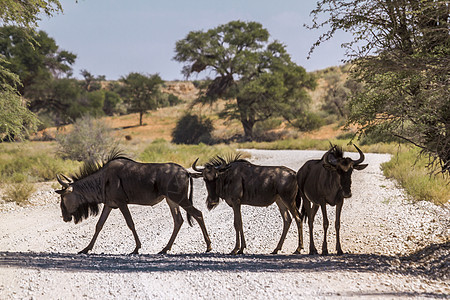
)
(258, 74)
(401, 53)
(141, 92)
(16, 119)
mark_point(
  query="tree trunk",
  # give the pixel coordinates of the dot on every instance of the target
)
(248, 128)
(247, 118)
(140, 117)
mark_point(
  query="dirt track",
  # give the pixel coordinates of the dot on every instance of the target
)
(380, 229)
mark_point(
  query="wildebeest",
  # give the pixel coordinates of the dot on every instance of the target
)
(121, 181)
(327, 181)
(239, 182)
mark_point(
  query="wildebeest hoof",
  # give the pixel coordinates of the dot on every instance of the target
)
(312, 252)
(297, 251)
(340, 252)
(234, 252)
(324, 253)
(163, 251)
(208, 249)
(84, 251)
(274, 251)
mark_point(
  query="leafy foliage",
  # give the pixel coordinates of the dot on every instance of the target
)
(16, 120)
(27, 13)
(15, 117)
(191, 129)
(259, 75)
(403, 60)
(35, 61)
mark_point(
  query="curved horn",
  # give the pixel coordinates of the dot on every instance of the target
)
(361, 156)
(63, 183)
(194, 167)
(69, 180)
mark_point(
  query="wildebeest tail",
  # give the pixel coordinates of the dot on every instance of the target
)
(303, 213)
(298, 202)
(191, 193)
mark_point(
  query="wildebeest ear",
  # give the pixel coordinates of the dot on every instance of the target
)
(360, 167)
(196, 175)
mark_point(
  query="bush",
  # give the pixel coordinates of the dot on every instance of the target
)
(191, 129)
(308, 121)
(19, 192)
(89, 138)
(168, 100)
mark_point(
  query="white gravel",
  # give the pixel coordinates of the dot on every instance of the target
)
(380, 229)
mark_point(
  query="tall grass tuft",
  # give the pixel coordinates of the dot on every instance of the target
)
(413, 175)
(163, 151)
(18, 192)
(20, 163)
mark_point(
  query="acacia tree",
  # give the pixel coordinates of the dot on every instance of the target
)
(403, 59)
(259, 75)
(15, 118)
(141, 92)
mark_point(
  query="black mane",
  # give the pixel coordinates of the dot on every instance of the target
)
(217, 161)
(91, 166)
(84, 211)
(336, 151)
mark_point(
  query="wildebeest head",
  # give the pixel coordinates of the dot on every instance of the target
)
(335, 161)
(210, 172)
(73, 203)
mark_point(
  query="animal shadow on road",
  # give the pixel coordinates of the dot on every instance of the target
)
(431, 261)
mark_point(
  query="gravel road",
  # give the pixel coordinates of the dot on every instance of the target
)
(394, 249)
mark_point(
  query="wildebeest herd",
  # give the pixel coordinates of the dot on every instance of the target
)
(121, 181)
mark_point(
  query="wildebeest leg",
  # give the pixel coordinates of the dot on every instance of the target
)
(239, 230)
(198, 216)
(177, 222)
(127, 215)
(338, 226)
(294, 211)
(311, 212)
(105, 213)
(286, 224)
(323, 207)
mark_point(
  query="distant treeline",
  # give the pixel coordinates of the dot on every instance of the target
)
(57, 98)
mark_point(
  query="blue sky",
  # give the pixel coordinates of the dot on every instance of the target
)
(116, 37)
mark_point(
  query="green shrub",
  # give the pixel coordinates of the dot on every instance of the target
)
(89, 138)
(191, 129)
(308, 121)
(168, 100)
(19, 192)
